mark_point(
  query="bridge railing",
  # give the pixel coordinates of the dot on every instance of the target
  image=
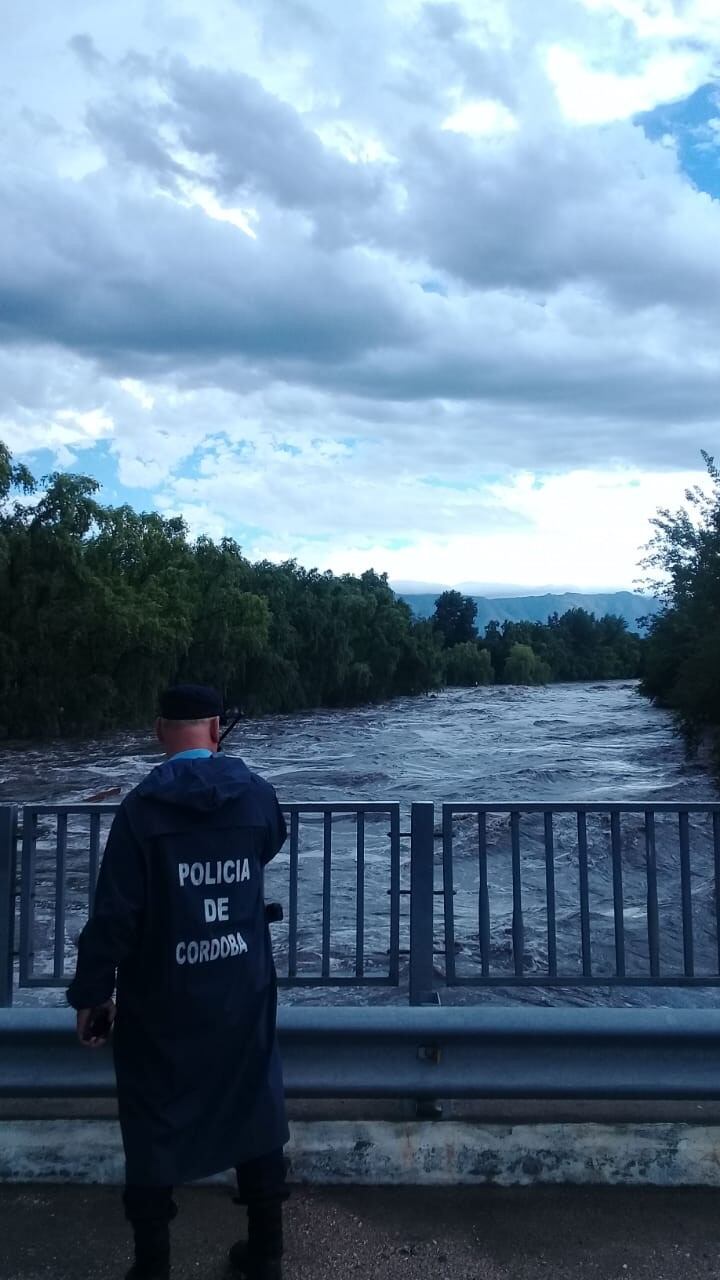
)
(638, 903)
(480, 894)
(337, 876)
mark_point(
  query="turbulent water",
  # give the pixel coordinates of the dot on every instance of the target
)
(561, 743)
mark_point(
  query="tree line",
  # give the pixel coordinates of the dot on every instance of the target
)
(102, 606)
(571, 646)
(681, 668)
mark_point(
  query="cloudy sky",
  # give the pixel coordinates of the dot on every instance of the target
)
(433, 287)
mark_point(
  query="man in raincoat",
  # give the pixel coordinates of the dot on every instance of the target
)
(179, 929)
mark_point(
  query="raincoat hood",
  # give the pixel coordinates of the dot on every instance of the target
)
(203, 784)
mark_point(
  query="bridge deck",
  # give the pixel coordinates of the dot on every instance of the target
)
(70, 1233)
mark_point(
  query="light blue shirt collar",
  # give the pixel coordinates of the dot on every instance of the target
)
(194, 753)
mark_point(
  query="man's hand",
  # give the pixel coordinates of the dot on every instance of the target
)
(85, 1020)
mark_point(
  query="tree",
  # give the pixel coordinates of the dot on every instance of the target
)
(467, 665)
(524, 667)
(13, 476)
(454, 618)
(681, 666)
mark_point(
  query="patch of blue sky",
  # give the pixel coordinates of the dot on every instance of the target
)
(94, 459)
(248, 534)
(693, 124)
(434, 286)
(204, 457)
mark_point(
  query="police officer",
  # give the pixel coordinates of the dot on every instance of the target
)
(179, 927)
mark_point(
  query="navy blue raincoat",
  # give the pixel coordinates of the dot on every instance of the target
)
(179, 918)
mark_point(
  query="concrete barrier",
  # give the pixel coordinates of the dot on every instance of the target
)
(384, 1152)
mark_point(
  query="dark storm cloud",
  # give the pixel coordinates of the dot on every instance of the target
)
(544, 210)
(260, 143)
(127, 135)
(85, 49)
(245, 142)
(535, 211)
(113, 276)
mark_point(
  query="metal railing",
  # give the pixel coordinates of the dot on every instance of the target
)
(639, 903)
(503, 895)
(338, 873)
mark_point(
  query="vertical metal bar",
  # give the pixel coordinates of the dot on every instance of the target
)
(584, 894)
(8, 872)
(394, 973)
(27, 895)
(653, 915)
(293, 893)
(94, 858)
(327, 873)
(716, 849)
(60, 858)
(448, 894)
(550, 895)
(422, 829)
(483, 896)
(518, 927)
(686, 890)
(618, 904)
(716, 846)
(360, 896)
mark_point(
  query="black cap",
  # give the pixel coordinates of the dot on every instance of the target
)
(190, 702)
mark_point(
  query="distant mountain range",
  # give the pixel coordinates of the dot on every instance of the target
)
(623, 604)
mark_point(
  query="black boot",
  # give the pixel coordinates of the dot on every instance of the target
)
(254, 1268)
(261, 1257)
(152, 1252)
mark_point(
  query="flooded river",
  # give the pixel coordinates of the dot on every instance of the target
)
(562, 742)
(593, 743)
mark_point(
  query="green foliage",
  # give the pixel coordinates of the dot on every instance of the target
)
(467, 665)
(575, 646)
(681, 667)
(100, 607)
(523, 666)
(454, 618)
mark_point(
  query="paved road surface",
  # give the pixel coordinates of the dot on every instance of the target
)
(74, 1233)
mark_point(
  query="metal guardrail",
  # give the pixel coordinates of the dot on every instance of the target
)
(502, 1053)
(473, 902)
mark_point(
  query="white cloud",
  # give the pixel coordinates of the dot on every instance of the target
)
(93, 424)
(664, 18)
(584, 527)
(208, 202)
(484, 118)
(589, 95)
(138, 392)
